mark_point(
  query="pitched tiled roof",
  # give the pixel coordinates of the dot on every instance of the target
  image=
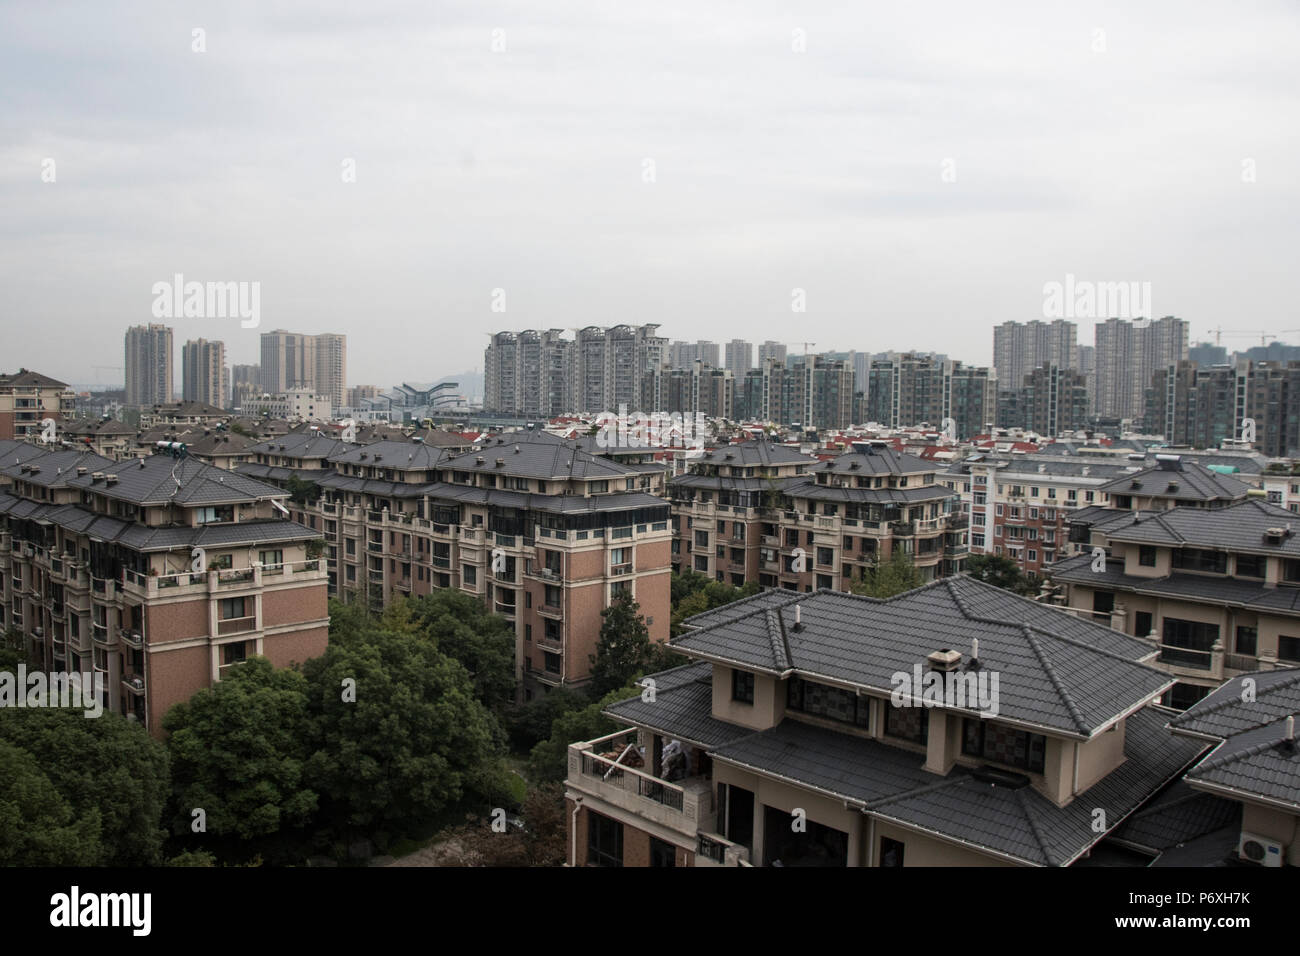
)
(1257, 763)
(752, 453)
(1014, 822)
(1202, 588)
(682, 708)
(161, 479)
(1228, 710)
(526, 455)
(807, 488)
(56, 467)
(1237, 527)
(1055, 670)
(1178, 815)
(879, 460)
(398, 455)
(1191, 482)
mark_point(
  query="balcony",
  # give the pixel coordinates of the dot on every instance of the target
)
(133, 684)
(713, 849)
(101, 637)
(595, 770)
(131, 638)
(1187, 658)
(506, 610)
(236, 625)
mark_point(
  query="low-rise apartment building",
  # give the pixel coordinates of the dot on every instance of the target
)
(158, 574)
(1215, 591)
(544, 533)
(766, 513)
(800, 736)
(28, 399)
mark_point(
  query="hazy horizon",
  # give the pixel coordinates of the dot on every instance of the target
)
(920, 173)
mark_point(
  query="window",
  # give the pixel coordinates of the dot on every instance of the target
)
(604, 841)
(1247, 640)
(1004, 745)
(742, 686)
(1250, 565)
(552, 662)
(1198, 559)
(469, 574)
(909, 723)
(271, 560)
(1188, 643)
(833, 703)
(701, 539)
(1142, 623)
(1288, 648)
(234, 653)
(236, 607)
(891, 852)
(825, 556)
(1147, 555)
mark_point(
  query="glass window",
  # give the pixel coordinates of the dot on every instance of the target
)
(909, 723)
(1004, 745)
(742, 686)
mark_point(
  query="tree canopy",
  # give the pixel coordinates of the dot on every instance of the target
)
(884, 579)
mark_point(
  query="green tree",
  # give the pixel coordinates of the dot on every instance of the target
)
(108, 766)
(37, 825)
(999, 570)
(884, 579)
(398, 735)
(461, 627)
(531, 723)
(302, 491)
(549, 760)
(238, 750)
(624, 646)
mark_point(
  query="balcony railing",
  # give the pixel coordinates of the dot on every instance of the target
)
(236, 625)
(1186, 657)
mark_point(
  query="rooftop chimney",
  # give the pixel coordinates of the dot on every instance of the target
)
(944, 660)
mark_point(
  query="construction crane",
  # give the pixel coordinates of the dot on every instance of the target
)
(1263, 335)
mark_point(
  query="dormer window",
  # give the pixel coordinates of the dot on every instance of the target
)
(742, 687)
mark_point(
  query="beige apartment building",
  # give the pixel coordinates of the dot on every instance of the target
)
(758, 512)
(545, 534)
(798, 737)
(1215, 592)
(160, 574)
(27, 399)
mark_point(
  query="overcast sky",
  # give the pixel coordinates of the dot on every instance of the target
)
(921, 170)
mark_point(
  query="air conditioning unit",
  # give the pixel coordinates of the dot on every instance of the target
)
(1258, 849)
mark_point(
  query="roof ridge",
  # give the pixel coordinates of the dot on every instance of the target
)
(1034, 828)
(1230, 700)
(951, 780)
(1075, 714)
(777, 636)
(1214, 763)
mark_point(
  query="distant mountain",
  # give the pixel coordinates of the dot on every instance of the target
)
(470, 382)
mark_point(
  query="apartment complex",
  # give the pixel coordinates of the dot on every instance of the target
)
(910, 389)
(541, 375)
(160, 573)
(799, 736)
(770, 351)
(27, 399)
(1213, 590)
(1127, 355)
(148, 365)
(204, 376)
(739, 357)
(686, 354)
(1051, 401)
(292, 361)
(1255, 403)
(765, 513)
(544, 533)
(1021, 347)
(812, 391)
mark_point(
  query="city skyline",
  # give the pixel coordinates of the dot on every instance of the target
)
(668, 217)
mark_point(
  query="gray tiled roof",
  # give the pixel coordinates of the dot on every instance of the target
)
(56, 467)
(1256, 762)
(879, 460)
(1237, 527)
(682, 708)
(145, 538)
(1019, 823)
(526, 455)
(398, 455)
(754, 453)
(300, 445)
(161, 479)
(1203, 588)
(1226, 711)
(1178, 815)
(1192, 482)
(807, 488)
(1055, 670)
